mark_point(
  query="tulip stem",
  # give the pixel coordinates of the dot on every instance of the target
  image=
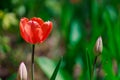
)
(32, 64)
(94, 65)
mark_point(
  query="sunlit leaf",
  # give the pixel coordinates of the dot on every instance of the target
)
(48, 67)
(56, 70)
(75, 32)
(8, 20)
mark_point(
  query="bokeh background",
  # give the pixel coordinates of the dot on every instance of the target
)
(77, 25)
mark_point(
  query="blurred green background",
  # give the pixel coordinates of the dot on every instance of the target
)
(77, 25)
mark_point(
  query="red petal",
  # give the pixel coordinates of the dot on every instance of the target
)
(33, 30)
(38, 20)
(46, 28)
(37, 35)
(23, 22)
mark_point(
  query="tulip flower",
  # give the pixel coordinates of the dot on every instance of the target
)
(34, 30)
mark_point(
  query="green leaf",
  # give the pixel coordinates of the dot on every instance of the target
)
(88, 62)
(112, 13)
(56, 70)
(109, 33)
(75, 32)
(66, 16)
(48, 67)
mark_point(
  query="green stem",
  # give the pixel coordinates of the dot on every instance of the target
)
(94, 65)
(32, 62)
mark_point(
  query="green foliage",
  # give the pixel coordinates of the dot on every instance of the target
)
(78, 23)
(53, 77)
(48, 67)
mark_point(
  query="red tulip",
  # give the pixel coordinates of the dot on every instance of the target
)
(34, 30)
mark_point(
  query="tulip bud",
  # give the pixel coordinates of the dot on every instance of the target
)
(22, 73)
(98, 46)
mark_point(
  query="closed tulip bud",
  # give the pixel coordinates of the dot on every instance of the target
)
(98, 46)
(22, 73)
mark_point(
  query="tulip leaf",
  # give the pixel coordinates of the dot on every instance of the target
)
(88, 64)
(56, 70)
(48, 67)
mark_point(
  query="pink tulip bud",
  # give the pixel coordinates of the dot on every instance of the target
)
(98, 46)
(22, 73)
